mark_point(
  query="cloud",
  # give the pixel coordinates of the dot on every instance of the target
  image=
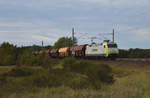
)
(119, 2)
(30, 21)
(27, 32)
(135, 33)
(37, 4)
(43, 38)
(142, 35)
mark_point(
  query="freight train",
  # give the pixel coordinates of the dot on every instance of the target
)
(106, 49)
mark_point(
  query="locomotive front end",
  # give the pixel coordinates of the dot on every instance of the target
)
(112, 50)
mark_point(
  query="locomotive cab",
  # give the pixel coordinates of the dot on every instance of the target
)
(111, 49)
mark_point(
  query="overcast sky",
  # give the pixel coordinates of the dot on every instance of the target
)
(28, 22)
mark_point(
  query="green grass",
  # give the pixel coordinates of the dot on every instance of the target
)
(130, 82)
(131, 86)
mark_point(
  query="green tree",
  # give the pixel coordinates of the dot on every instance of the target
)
(8, 54)
(65, 42)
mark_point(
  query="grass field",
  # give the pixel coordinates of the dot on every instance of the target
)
(131, 81)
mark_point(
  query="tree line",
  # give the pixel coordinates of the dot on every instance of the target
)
(13, 55)
(134, 53)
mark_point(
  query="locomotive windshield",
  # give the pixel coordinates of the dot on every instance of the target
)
(112, 45)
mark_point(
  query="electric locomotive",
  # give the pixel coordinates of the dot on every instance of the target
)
(106, 49)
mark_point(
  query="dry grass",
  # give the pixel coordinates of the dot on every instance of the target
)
(132, 82)
(4, 69)
(133, 86)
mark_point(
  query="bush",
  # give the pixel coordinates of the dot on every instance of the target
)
(68, 63)
(46, 78)
(8, 54)
(3, 80)
(74, 74)
(40, 78)
(78, 81)
(28, 59)
(48, 62)
(96, 73)
(101, 73)
(20, 72)
(23, 79)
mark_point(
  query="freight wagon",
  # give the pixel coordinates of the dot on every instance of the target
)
(78, 51)
(64, 52)
(54, 53)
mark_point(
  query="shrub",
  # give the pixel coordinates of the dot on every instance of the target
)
(28, 59)
(8, 54)
(81, 67)
(68, 63)
(48, 62)
(101, 72)
(78, 81)
(74, 74)
(46, 78)
(105, 74)
(96, 73)
(40, 78)
(20, 72)
(3, 80)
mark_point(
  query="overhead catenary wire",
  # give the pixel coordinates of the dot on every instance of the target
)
(68, 35)
(85, 36)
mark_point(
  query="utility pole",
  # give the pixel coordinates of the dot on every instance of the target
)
(42, 43)
(113, 35)
(73, 35)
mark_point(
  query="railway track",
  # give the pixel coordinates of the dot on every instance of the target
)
(128, 62)
(118, 59)
(133, 59)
